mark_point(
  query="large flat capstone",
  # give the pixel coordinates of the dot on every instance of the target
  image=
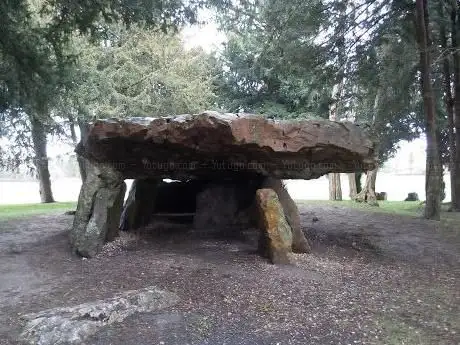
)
(214, 145)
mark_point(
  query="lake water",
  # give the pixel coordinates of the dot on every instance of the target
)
(67, 189)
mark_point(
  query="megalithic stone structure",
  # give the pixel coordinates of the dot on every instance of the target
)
(240, 152)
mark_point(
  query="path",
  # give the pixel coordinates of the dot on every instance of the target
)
(372, 279)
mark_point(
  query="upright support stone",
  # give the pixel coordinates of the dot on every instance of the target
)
(113, 220)
(225, 205)
(99, 208)
(291, 212)
(276, 238)
(216, 206)
(128, 215)
(140, 204)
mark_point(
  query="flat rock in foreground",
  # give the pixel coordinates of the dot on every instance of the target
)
(72, 325)
(212, 144)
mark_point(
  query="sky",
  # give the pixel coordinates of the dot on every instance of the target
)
(206, 36)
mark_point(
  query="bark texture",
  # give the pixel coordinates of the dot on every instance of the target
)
(352, 185)
(41, 159)
(455, 171)
(367, 193)
(335, 187)
(433, 162)
(449, 101)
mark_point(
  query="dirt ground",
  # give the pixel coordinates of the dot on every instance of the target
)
(371, 279)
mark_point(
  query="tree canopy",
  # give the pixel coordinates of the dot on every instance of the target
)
(139, 73)
(288, 59)
(359, 61)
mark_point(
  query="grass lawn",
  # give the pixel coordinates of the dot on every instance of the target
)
(449, 224)
(408, 208)
(23, 210)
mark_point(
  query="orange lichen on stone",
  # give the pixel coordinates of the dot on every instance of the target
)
(276, 236)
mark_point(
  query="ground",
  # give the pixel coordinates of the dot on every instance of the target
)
(373, 278)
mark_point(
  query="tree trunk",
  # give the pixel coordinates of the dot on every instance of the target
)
(358, 181)
(41, 159)
(367, 194)
(449, 101)
(335, 188)
(433, 162)
(84, 127)
(352, 184)
(373, 178)
(455, 169)
(73, 134)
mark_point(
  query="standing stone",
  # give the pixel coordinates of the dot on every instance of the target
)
(382, 196)
(216, 207)
(98, 211)
(113, 218)
(412, 197)
(128, 215)
(226, 204)
(291, 212)
(276, 237)
(140, 204)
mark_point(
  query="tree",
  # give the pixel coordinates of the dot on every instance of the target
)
(352, 185)
(433, 162)
(34, 59)
(25, 147)
(267, 65)
(33, 76)
(455, 148)
(336, 57)
(41, 159)
(25, 46)
(138, 73)
(447, 90)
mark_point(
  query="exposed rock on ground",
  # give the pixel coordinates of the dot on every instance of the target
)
(72, 325)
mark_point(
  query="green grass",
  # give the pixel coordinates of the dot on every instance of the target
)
(397, 332)
(24, 210)
(449, 224)
(408, 208)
